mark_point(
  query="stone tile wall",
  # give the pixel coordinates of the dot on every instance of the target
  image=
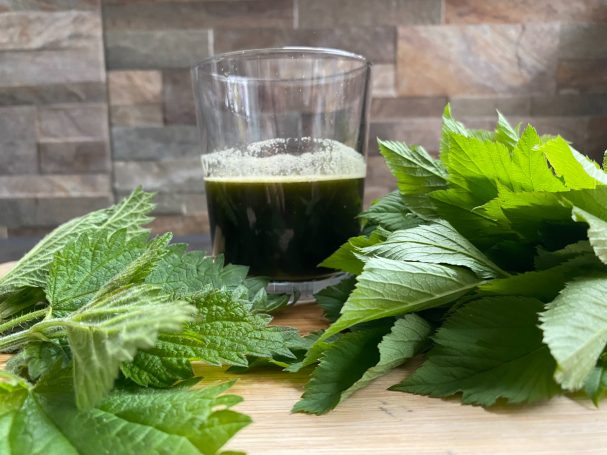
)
(69, 86)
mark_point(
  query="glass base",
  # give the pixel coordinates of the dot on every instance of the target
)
(303, 291)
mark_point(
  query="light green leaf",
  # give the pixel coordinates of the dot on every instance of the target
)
(575, 329)
(92, 261)
(489, 349)
(31, 270)
(566, 165)
(391, 288)
(341, 365)
(597, 232)
(408, 337)
(435, 243)
(504, 132)
(42, 420)
(596, 384)
(223, 332)
(181, 273)
(346, 257)
(415, 170)
(592, 168)
(390, 213)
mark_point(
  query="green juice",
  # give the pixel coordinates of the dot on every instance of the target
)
(283, 226)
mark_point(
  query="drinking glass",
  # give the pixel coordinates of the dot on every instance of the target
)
(284, 135)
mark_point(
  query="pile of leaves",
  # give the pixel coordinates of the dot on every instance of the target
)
(101, 318)
(490, 261)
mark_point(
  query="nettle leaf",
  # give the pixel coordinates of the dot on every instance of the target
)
(391, 213)
(488, 349)
(43, 420)
(32, 269)
(346, 258)
(332, 298)
(597, 232)
(504, 132)
(91, 262)
(223, 332)
(341, 365)
(181, 273)
(566, 164)
(435, 243)
(575, 329)
(108, 331)
(392, 288)
(596, 384)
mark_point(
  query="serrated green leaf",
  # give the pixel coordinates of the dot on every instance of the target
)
(435, 243)
(42, 420)
(341, 365)
(182, 273)
(408, 337)
(32, 269)
(575, 329)
(566, 165)
(489, 349)
(346, 257)
(332, 298)
(392, 288)
(597, 232)
(223, 332)
(391, 213)
(596, 384)
(504, 132)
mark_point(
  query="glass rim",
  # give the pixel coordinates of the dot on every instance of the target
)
(365, 64)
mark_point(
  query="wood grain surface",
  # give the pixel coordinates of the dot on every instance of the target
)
(377, 421)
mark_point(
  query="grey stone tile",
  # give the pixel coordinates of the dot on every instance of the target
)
(403, 107)
(18, 158)
(482, 60)
(332, 13)
(48, 211)
(583, 41)
(376, 43)
(86, 92)
(383, 80)
(162, 176)
(74, 157)
(596, 144)
(17, 125)
(48, 5)
(50, 30)
(564, 105)
(149, 143)
(178, 98)
(478, 107)
(177, 203)
(143, 49)
(582, 76)
(41, 186)
(136, 115)
(76, 122)
(206, 14)
(513, 11)
(25, 69)
(181, 225)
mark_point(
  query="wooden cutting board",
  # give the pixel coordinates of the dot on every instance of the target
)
(375, 420)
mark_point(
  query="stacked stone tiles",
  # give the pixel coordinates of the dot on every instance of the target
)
(543, 61)
(54, 147)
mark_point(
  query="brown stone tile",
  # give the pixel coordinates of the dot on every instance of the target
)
(178, 98)
(383, 80)
(176, 203)
(87, 92)
(333, 13)
(422, 131)
(206, 14)
(372, 193)
(134, 87)
(569, 104)
(479, 107)
(48, 67)
(583, 41)
(48, 5)
(378, 174)
(42, 30)
(24, 186)
(74, 122)
(155, 49)
(47, 211)
(376, 43)
(394, 108)
(138, 115)
(74, 157)
(573, 129)
(166, 176)
(154, 143)
(181, 225)
(477, 60)
(597, 138)
(500, 11)
(582, 76)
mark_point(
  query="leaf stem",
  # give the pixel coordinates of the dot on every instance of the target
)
(22, 319)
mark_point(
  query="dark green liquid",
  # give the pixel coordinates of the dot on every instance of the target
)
(283, 229)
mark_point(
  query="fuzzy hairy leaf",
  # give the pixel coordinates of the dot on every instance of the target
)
(346, 257)
(575, 329)
(391, 213)
(224, 331)
(489, 349)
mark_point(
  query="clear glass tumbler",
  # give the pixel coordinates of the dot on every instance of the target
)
(284, 135)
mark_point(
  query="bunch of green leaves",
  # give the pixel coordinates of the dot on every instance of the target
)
(490, 261)
(98, 313)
